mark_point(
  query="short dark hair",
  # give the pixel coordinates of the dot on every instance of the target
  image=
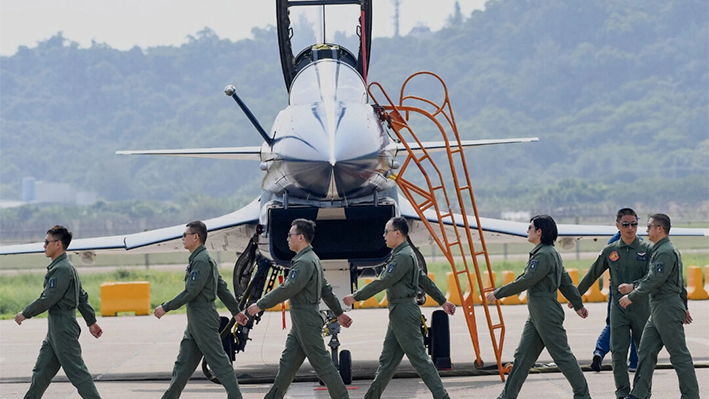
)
(200, 229)
(305, 227)
(62, 234)
(399, 223)
(547, 225)
(624, 212)
(662, 220)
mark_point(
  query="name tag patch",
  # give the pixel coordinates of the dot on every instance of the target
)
(52, 282)
(614, 256)
(659, 268)
(533, 264)
(193, 276)
(293, 274)
(642, 256)
(390, 268)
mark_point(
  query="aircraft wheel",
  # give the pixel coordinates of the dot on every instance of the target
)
(440, 340)
(208, 372)
(346, 367)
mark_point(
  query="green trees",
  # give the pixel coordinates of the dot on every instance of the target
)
(616, 92)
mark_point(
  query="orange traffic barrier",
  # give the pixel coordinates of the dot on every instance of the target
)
(472, 291)
(508, 277)
(574, 274)
(131, 296)
(606, 283)
(706, 281)
(429, 301)
(453, 294)
(594, 293)
(368, 303)
(695, 286)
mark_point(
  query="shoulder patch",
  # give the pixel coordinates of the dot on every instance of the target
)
(659, 268)
(533, 264)
(614, 256)
(52, 282)
(390, 267)
(193, 276)
(293, 274)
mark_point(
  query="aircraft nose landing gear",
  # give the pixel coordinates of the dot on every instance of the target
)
(343, 362)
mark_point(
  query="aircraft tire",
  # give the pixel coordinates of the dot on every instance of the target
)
(440, 340)
(346, 367)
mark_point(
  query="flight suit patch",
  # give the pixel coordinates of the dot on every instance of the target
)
(533, 264)
(659, 268)
(642, 256)
(614, 256)
(390, 268)
(193, 276)
(52, 282)
(293, 274)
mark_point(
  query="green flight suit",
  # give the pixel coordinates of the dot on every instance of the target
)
(62, 296)
(203, 284)
(543, 275)
(304, 287)
(664, 285)
(627, 264)
(401, 278)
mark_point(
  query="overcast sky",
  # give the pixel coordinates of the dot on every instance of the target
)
(123, 24)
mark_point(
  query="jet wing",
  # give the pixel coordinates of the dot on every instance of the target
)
(238, 153)
(230, 232)
(436, 146)
(501, 231)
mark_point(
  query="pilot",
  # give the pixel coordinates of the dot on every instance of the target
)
(62, 296)
(543, 275)
(305, 286)
(401, 278)
(203, 284)
(664, 285)
(627, 261)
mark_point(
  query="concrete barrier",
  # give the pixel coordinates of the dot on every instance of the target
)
(429, 301)
(594, 293)
(453, 294)
(695, 285)
(508, 277)
(574, 274)
(131, 296)
(368, 303)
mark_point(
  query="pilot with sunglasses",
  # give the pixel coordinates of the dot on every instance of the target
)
(627, 260)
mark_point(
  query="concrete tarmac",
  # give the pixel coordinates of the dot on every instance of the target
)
(135, 355)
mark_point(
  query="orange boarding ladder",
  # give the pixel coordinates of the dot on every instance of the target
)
(448, 238)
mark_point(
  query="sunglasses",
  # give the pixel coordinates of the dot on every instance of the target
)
(626, 224)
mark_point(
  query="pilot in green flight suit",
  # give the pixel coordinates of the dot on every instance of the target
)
(62, 296)
(627, 260)
(543, 275)
(401, 278)
(305, 286)
(203, 284)
(668, 312)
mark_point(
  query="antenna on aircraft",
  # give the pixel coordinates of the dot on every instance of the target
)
(230, 91)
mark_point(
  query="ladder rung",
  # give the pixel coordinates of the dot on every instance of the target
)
(496, 326)
(464, 188)
(437, 187)
(455, 150)
(445, 215)
(479, 253)
(453, 243)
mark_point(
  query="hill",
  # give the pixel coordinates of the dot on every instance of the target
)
(616, 92)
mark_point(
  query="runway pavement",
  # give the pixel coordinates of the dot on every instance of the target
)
(134, 358)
